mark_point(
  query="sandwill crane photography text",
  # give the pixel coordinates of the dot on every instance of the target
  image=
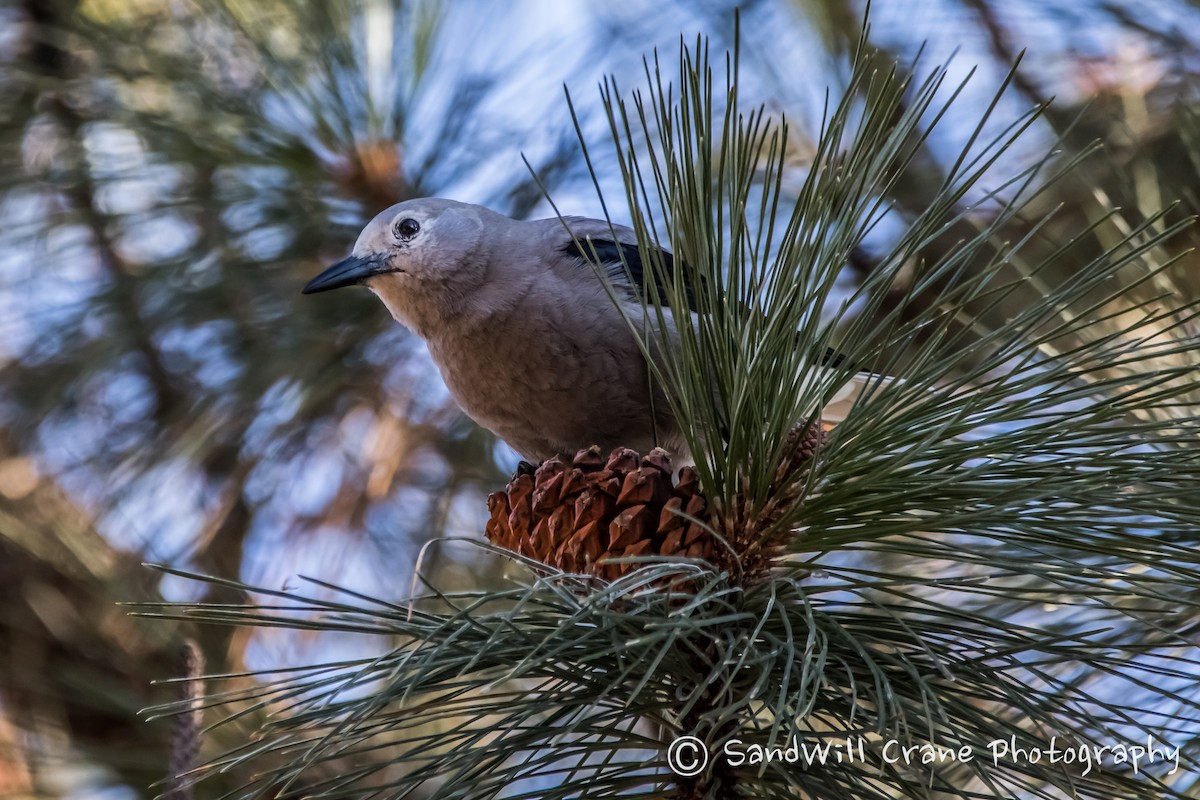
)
(688, 755)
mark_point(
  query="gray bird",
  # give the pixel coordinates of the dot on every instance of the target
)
(527, 337)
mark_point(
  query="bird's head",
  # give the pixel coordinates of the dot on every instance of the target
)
(418, 256)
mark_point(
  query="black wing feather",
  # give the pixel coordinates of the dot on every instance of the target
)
(608, 253)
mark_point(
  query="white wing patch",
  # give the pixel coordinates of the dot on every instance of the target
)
(848, 394)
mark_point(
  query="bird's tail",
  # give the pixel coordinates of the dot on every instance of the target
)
(849, 393)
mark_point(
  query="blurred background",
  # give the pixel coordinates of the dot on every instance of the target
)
(173, 171)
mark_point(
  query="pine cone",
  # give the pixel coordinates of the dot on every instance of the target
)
(804, 444)
(578, 516)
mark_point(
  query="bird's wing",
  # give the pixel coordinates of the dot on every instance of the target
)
(614, 249)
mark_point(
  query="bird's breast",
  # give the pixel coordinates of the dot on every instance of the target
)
(547, 385)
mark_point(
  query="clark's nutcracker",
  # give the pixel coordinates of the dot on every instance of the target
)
(527, 338)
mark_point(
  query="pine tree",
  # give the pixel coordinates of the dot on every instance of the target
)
(997, 545)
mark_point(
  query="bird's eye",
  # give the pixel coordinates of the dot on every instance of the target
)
(407, 228)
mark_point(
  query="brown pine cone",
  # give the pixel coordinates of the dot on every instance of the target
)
(804, 444)
(579, 516)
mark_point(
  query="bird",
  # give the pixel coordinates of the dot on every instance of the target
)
(520, 323)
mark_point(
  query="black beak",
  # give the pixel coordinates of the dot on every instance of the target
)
(347, 272)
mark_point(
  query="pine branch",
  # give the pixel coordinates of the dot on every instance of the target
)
(996, 544)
